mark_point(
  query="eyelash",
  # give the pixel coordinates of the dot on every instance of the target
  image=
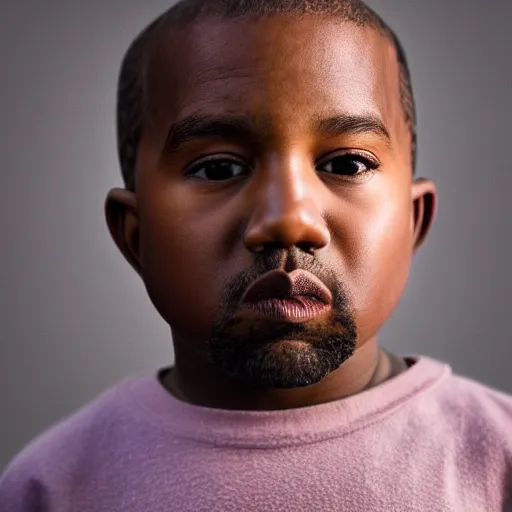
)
(370, 162)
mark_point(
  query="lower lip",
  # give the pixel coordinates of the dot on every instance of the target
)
(297, 310)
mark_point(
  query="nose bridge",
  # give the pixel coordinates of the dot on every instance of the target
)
(286, 208)
(286, 186)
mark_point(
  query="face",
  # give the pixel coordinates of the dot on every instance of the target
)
(283, 155)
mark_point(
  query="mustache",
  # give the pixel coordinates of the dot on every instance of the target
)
(287, 260)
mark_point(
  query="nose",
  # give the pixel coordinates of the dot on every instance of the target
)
(285, 209)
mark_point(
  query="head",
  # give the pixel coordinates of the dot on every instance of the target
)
(264, 135)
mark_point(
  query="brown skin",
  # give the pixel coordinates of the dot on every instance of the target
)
(187, 238)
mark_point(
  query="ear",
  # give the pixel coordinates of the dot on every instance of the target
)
(424, 197)
(123, 224)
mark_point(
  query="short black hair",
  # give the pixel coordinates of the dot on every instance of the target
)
(131, 91)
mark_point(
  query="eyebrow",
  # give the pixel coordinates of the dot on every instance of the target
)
(352, 124)
(244, 128)
(205, 126)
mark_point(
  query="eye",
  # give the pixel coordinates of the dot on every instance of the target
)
(349, 164)
(218, 169)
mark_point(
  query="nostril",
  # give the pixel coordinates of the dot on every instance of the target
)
(306, 247)
(271, 247)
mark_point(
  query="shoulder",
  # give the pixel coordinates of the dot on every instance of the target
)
(461, 431)
(478, 422)
(52, 455)
(470, 400)
(456, 400)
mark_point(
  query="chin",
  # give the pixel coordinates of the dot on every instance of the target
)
(284, 364)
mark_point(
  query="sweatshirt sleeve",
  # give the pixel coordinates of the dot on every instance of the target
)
(21, 490)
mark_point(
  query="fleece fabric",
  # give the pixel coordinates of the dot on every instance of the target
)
(426, 440)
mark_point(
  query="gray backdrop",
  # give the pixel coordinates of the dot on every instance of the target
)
(75, 318)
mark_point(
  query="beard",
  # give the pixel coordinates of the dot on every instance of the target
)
(270, 354)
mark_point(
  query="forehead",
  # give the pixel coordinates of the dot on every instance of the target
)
(281, 68)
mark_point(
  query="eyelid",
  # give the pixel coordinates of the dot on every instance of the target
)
(204, 159)
(347, 152)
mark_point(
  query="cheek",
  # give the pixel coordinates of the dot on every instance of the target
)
(378, 255)
(180, 273)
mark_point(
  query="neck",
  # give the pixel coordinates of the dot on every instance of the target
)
(196, 381)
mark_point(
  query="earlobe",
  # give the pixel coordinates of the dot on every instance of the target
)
(123, 223)
(424, 196)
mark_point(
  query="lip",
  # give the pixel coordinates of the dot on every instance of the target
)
(293, 297)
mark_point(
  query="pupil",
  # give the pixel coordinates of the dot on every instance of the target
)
(345, 166)
(219, 170)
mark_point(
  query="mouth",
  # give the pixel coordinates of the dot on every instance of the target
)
(294, 297)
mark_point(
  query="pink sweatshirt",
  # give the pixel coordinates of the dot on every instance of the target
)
(424, 441)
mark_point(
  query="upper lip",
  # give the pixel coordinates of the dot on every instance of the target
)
(278, 284)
